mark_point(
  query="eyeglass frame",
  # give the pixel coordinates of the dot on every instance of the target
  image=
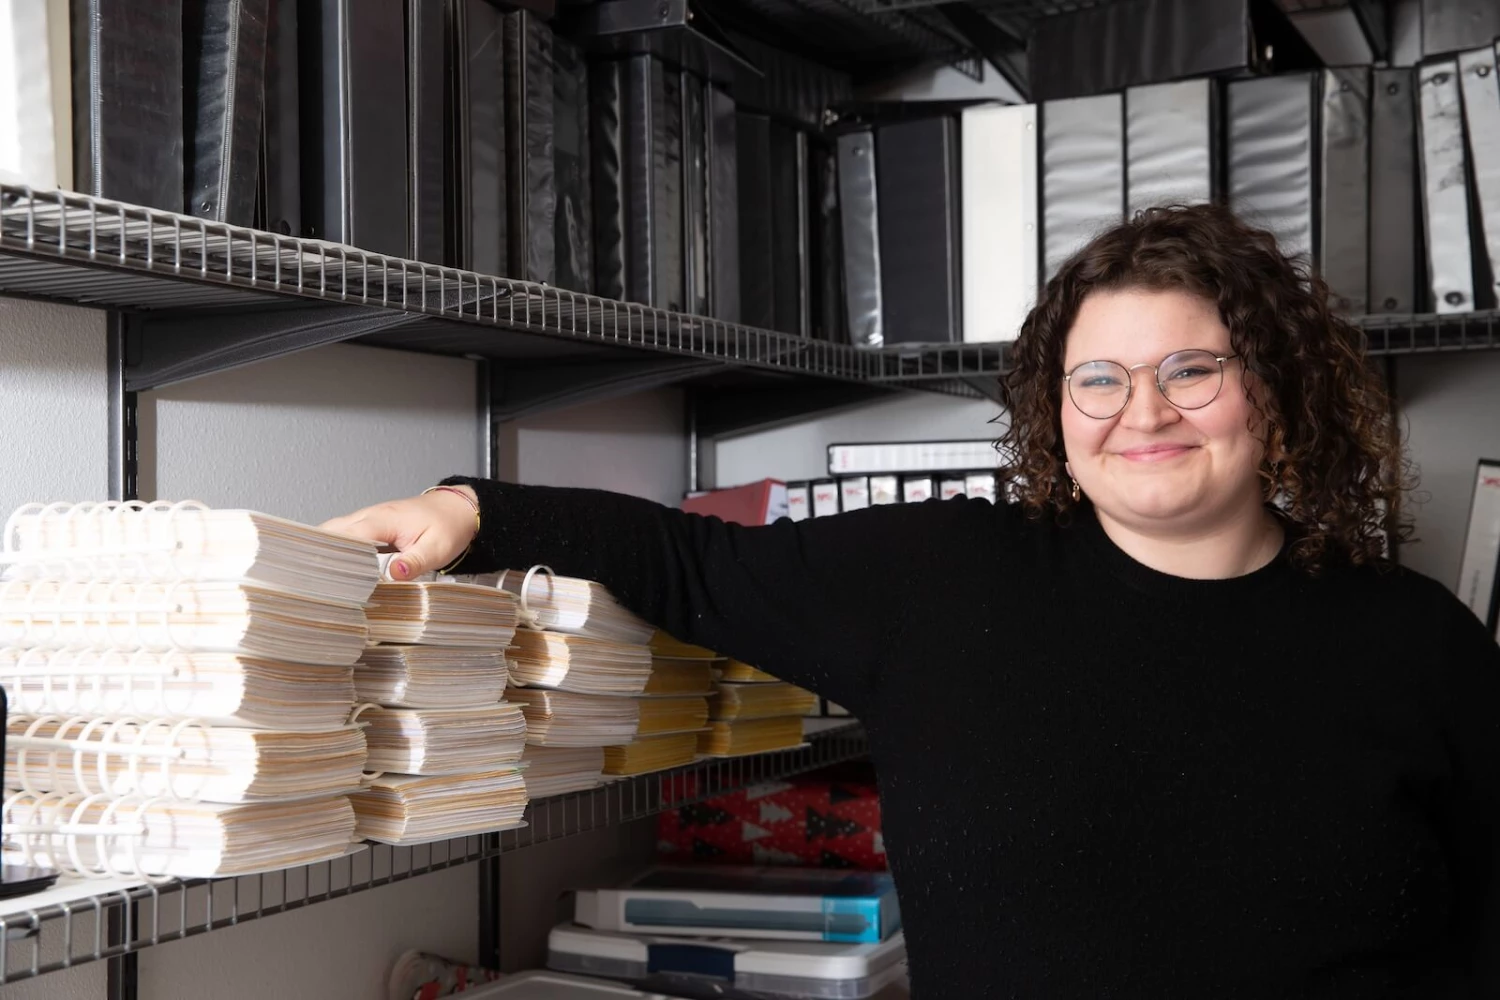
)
(1156, 372)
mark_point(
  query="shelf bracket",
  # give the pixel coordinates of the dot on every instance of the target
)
(987, 386)
(728, 412)
(169, 348)
(523, 392)
(679, 30)
(1374, 17)
(999, 47)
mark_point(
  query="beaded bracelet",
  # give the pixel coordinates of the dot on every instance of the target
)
(472, 503)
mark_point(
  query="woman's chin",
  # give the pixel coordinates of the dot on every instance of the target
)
(1150, 503)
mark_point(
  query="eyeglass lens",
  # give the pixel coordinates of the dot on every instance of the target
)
(1189, 380)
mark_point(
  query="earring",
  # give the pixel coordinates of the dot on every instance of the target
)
(1077, 493)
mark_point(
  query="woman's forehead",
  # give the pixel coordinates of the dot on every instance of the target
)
(1142, 326)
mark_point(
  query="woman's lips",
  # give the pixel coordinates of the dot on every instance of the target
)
(1156, 452)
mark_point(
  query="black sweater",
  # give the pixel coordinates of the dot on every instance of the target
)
(1099, 780)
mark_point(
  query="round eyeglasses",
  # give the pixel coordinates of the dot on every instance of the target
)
(1189, 380)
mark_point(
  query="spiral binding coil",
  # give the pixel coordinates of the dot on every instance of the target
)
(76, 756)
(529, 618)
(100, 680)
(369, 776)
(129, 540)
(48, 830)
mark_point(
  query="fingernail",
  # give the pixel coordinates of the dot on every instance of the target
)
(401, 568)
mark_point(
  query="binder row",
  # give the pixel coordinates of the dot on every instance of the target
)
(454, 132)
(1385, 180)
(836, 495)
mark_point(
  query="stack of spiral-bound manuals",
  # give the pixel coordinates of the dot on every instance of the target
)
(444, 746)
(180, 683)
(581, 666)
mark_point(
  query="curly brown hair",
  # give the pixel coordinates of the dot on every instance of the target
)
(1334, 461)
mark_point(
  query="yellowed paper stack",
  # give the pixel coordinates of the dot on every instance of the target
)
(180, 683)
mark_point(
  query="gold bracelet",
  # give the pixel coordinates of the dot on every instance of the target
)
(472, 503)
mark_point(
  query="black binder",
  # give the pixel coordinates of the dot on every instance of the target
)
(426, 156)
(1395, 229)
(920, 263)
(528, 137)
(281, 140)
(695, 194)
(825, 247)
(573, 223)
(479, 195)
(636, 137)
(789, 224)
(354, 122)
(127, 101)
(723, 206)
(224, 61)
(757, 241)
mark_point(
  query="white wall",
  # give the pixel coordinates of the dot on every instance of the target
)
(635, 444)
(53, 405)
(1451, 407)
(800, 451)
(55, 415)
(312, 435)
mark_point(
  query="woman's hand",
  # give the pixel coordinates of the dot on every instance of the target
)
(429, 531)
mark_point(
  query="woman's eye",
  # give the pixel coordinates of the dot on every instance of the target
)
(1100, 382)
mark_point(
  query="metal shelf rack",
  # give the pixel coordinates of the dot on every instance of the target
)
(1432, 333)
(205, 296)
(120, 921)
(268, 295)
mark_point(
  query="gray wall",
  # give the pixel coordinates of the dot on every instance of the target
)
(636, 445)
(1451, 407)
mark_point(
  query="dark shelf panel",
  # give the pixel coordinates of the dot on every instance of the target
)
(62, 934)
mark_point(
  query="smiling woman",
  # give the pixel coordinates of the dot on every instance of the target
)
(1179, 475)
(1136, 733)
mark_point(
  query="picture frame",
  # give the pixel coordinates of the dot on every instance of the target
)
(1479, 570)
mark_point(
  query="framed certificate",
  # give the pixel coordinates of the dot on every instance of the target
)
(1481, 558)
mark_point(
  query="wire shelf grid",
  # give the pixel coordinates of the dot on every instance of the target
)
(1431, 333)
(130, 918)
(88, 251)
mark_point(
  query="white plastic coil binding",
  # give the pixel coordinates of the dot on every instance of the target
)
(530, 618)
(98, 680)
(118, 613)
(48, 830)
(128, 540)
(56, 754)
(361, 709)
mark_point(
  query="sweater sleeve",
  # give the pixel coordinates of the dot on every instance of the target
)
(819, 602)
(1473, 737)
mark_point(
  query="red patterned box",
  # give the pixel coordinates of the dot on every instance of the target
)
(827, 819)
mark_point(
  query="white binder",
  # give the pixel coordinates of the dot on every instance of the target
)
(1083, 173)
(998, 177)
(1343, 251)
(1169, 144)
(1481, 100)
(1445, 188)
(1272, 139)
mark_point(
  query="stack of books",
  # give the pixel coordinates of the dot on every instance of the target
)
(179, 684)
(444, 746)
(582, 667)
